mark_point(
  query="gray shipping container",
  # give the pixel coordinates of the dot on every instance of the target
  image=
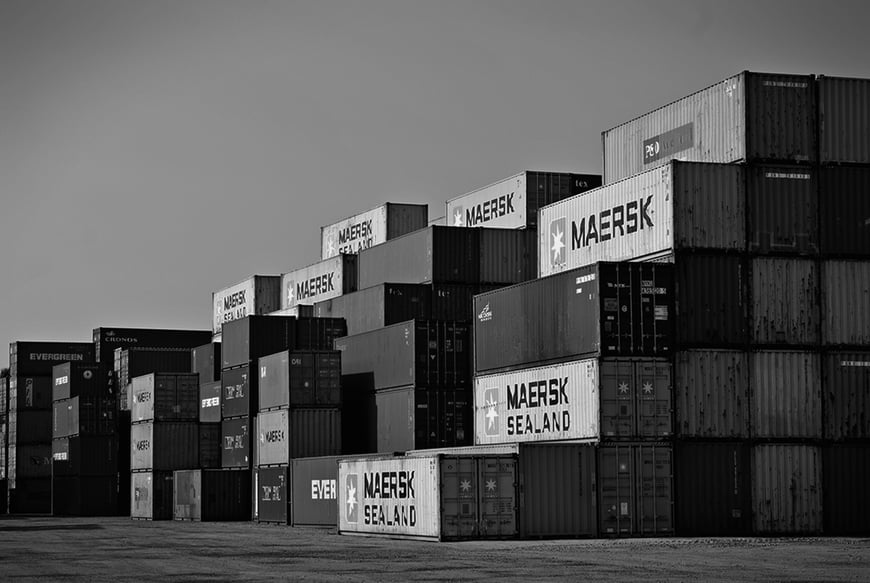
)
(787, 489)
(783, 209)
(271, 495)
(414, 418)
(285, 434)
(236, 443)
(76, 379)
(844, 121)
(314, 493)
(165, 397)
(786, 394)
(748, 117)
(151, 496)
(211, 495)
(712, 394)
(210, 402)
(846, 406)
(846, 481)
(164, 445)
(785, 301)
(299, 379)
(846, 303)
(205, 360)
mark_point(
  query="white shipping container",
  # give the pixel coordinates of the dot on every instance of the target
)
(259, 294)
(502, 204)
(372, 227)
(321, 281)
(549, 403)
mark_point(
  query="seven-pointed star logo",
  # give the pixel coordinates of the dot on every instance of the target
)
(623, 388)
(291, 293)
(490, 485)
(351, 498)
(458, 217)
(647, 388)
(557, 241)
(330, 247)
(465, 485)
(491, 398)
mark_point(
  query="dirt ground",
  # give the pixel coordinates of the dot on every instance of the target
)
(119, 549)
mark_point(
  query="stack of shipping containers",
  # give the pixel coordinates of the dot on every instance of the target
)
(844, 233)
(4, 439)
(84, 449)
(30, 419)
(205, 361)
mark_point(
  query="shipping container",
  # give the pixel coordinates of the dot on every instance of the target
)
(437, 497)
(372, 227)
(85, 415)
(680, 206)
(4, 395)
(747, 117)
(787, 489)
(286, 434)
(846, 398)
(32, 461)
(164, 445)
(786, 394)
(77, 379)
(236, 443)
(165, 397)
(206, 361)
(38, 358)
(711, 394)
(31, 392)
(844, 121)
(29, 427)
(846, 481)
(635, 489)
(271, 495)
(299, 310)
(846, 303)
(134, 362)
(107, 340)
(589, 399)
(212, 495)
(359, 423)
(324, 280)
(713, 495)
(84, 496)
(299, 379)
(248, 339)
(239, 392)
(421, 353)
(783, 209)
(414, 418)
(313, 491)
(785, 301)
(209, 445)
(256, 295)
(30, 496)
(711, 303)
(607, 309)
(151, 496)
(513, 203)
(843, 210)
(85, 456)
(210, 402)
(451, 255)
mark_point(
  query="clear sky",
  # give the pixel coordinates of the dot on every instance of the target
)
(155, 151)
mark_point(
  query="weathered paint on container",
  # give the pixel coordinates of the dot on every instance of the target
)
(314, 491)
(414, 418)
(845, 384)
(606, 309)
(787, 489)
(299, 379)
(783, 209)
(678, 206)
(210, 402)
(256, 295)
(635, 489)
(437, 497)
(151, 495)
(711, 302)
(246, 340)
(786, 394)
(165, 397)
(846, 481)
(272, 494)
(211, 495)
(205, 360)
(38, 358)
(785, 301)
(107, 340)
(84, 496)
(747, 117)
(712, 394)
(420, 353)
(324, 280)
(513, 203)
(844, 209)
(846, 303)
(844, 121)
(372, 227)
(236, 443)
(557, 491)
(712, 488)
(286, 434)
(74, 379)
(164, 445)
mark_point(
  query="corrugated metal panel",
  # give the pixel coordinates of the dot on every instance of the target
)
(239, 392)
(300, 379)
(846, 303)
(414, 418)
(781, 117)
(209, 445)
(205, 360)
(557, 491)
(38, 358)
(785, 390)
(75, 379)
(32, 392)
(787, 489)
(431, 255)
(212, 495)
(314, 491)
(314, 432)
(712, 394)
(845, 211)
(507, 256)
(151, 495)
(709, 206)
(783, 209)
(379, 306)
(785, 301)
(844, 120)
(713, 494)
(707, 126)
(85, 456)
(165, 397)
(256, 295)
(846, 483)
(30, 496)
(272, 495)
(84, 496)
(210, 402)
(33, 461)
(236, 443)
(710, 300)
(26, 427)
(324, 280)
(273, 439)
(134, 362)
(846, 379)
(187, 494)
(166, 445)
(250, 338)
(372, 227)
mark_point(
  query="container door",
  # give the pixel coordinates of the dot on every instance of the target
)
(497, 489)
(618, 390)
(654, 394)
(459, 487)
(616, 490)
(655, 490)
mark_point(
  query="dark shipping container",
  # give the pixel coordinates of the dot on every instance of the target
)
(846, 395)
(210, 402)
(78, 379)
(846, 481)
(85, 456)
(151, 495)
(844, 122)
(239, 392)
(236, 443)
(272, 496)
(247, 339)
(30, 392)
(300, 379)
(783, 207)
(31, 461)
(785, 301)
(209, 445)
(84, 496)
(106, 340)
(38, 358)
(164, 445)
(165, 397)
(27, 427)
(415, 418)
(844, 207)
(135, 362)
(710, 300)
(206, 361)
(285, 434)
(711, 394)
(421, 353)
(212, 495)
(606, 309)
(313, 494)
(85, 415)
(360, 421)
(30, 496)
